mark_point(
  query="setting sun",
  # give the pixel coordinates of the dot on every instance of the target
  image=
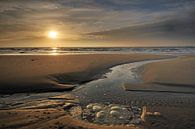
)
(52, 34)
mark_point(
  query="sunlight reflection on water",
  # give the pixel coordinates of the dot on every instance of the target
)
(54, 51)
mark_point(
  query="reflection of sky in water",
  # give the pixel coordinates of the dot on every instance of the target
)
(111, 88)
(105, 90)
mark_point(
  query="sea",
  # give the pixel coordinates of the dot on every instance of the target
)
(96, 50)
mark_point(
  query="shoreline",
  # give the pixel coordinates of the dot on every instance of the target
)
(59, 72)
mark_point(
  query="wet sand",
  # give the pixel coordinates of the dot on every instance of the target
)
(177, 72)
(48, 113)
(43, 73)
(171, 76)
(47, 119)
(173, 84)
(176, 108)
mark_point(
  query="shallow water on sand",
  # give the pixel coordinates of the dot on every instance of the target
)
(110, 88)
(96, 90)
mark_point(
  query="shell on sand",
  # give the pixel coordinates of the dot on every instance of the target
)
(115, 108)
(114, 113)
(100, 114)
(96, 108)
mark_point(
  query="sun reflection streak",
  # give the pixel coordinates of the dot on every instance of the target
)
(54, 51)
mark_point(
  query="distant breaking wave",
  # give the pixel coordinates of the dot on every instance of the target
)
(99, 50)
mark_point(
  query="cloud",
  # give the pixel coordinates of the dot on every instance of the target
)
(21, 19)
(174, 27)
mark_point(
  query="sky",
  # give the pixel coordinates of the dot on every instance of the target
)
(97, 23)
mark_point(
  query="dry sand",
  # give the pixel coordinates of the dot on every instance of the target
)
(26, 73)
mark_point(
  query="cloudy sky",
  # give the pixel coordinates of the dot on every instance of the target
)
(91, 23)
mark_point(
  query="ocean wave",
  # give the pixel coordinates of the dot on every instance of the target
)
(98, 50)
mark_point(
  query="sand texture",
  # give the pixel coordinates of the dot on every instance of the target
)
(177, 72)
(165, 88)
(57, 73)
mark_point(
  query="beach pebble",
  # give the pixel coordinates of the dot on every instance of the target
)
(157, 113)
(114, 113)
(90, 106)
(67, 106)
(126, 110)
(109, 114)
(149, 113)
(121, 117)
(115, 108)
(100, 114)
(96, 108)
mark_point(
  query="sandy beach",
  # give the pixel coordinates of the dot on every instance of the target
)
(39, 73)
(173, 77)
(178, 72)
(97, 64)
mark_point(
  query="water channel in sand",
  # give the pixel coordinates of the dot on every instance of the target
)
(105, 90)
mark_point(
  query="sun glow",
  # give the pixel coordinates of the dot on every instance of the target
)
(52, 34)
